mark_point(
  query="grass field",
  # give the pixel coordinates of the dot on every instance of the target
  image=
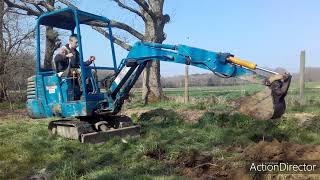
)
(166, 139)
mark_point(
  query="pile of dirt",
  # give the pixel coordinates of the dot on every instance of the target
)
(270, 102)
(259, 105)
(281, 151)
(191, 116)
(131, 112)
(188, 115)
(203, 166)
(304, 118)
(198, 165)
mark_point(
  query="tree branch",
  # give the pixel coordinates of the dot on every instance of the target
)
(35, 4)
(47, 5)
(144, 5)
(121, 26)
(69, 4)
(120, 4)
(8, 32)
(22, 7)
(127, 28)
(114, 24)
(19, 41)
(115, 39)
(19, 13)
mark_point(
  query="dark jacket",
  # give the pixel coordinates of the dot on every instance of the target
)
(62, 62)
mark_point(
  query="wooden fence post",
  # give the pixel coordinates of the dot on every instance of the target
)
(302, 76)
(186, 84)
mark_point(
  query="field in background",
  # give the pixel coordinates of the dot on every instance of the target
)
(177, 139)
(222, 95)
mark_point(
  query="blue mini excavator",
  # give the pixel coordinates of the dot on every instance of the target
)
(93, 117)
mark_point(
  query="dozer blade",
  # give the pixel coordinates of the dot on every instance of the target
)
(71, 129)
(270, 102)
(98, 132)
(100, 137)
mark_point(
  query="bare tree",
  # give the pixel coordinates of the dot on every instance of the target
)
(15, 41)
(36, 8)
(2, 95)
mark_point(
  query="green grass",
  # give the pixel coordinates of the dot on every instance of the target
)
(26, 149)
(229, 92)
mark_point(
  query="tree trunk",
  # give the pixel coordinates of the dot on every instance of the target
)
(2, 61)
(145, 83)
(52, 43)
(151, 85)
(302, 76)
(186, 84)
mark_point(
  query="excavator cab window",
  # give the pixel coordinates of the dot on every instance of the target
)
(65, 22)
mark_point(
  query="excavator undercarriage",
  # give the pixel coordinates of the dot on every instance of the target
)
(94, 131)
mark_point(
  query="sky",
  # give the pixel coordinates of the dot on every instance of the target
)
(270, 33)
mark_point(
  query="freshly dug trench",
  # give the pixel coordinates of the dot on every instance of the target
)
(270, 102)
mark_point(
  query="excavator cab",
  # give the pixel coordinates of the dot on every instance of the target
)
(51, 95)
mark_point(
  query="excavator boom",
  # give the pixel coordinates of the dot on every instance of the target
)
(222, 64)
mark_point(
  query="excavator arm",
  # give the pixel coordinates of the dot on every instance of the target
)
(222, 64)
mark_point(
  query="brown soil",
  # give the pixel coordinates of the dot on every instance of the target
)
(157, 154)
(130, 112)
(259, 106)
(191, 116)
(7, 114)
(204, 166)
(281, 151)
(303, 118)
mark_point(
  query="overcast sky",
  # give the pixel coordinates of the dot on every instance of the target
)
(271, 32)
